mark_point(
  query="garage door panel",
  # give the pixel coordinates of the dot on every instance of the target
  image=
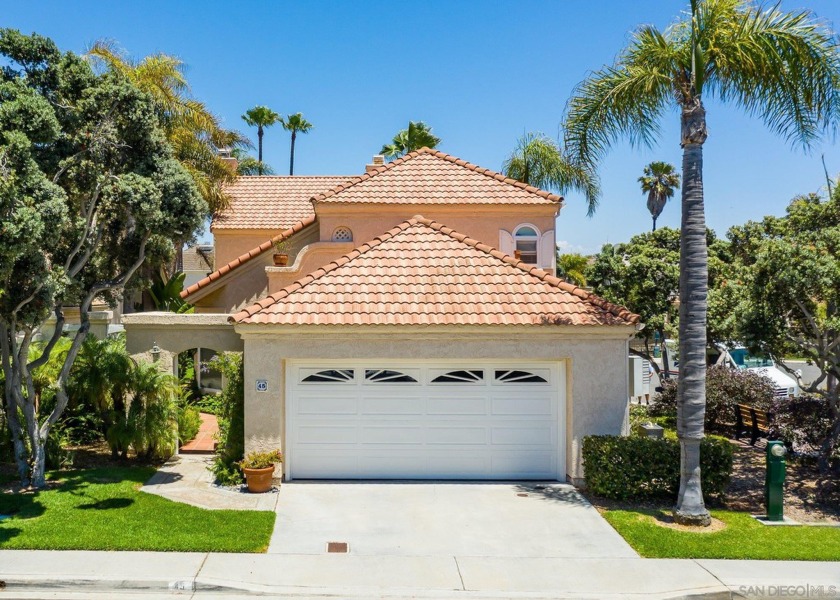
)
(522, 436)
(326, 405)
(392, 435)
(392, 405)
(328, 434)
(451, 404)
(457, 436)
(515, 404)
(451, 421)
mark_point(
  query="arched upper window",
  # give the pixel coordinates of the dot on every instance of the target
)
(342, 234)
(527, 242)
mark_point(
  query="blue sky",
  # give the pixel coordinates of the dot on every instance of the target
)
(480, 73)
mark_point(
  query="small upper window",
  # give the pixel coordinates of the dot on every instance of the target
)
(342, 234)
(527, 240)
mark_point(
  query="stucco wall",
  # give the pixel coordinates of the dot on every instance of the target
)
(596, 402)
(231, 244)
(481, 222)
(248, 283)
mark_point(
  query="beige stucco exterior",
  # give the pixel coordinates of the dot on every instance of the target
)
(595, 361)
(248, 282)
(233, 243)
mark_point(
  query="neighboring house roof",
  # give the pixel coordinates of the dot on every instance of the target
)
(424, 273)
(198, 258)
(251, 254)
(272, 202)
(432, 177)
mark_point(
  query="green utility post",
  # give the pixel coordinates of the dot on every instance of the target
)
(774, 484)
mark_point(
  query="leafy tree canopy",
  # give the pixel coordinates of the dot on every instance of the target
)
(416, 136)
(89, 191)
(788, 291)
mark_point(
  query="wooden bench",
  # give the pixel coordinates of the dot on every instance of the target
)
(753, 421)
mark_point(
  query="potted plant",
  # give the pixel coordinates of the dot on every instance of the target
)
(258, 468)
(281, 252)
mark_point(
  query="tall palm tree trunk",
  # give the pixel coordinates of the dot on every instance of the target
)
(691, 398)
(259, 143)
(292, 157)
(654, 223)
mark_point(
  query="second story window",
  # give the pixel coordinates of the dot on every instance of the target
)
(342, 234)
(527, 240)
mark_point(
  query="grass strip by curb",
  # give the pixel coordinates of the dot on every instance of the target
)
(103, 509)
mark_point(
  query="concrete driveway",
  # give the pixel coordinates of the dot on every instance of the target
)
(443, 519)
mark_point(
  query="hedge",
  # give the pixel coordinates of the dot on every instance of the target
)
(634, 468)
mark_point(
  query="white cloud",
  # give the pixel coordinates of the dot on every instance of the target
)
(565, 247)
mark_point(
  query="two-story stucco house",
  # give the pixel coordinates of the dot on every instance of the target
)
(417, 331)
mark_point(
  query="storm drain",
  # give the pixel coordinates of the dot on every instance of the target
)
(338, 547)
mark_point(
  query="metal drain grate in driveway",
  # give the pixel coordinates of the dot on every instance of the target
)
(338, 547)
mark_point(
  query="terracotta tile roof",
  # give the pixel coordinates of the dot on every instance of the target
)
(253, 253)
(269, 202)
(424, 273)
(198, 258)
(432, 177)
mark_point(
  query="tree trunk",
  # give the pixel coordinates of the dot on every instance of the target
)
(666, 359)
(691, 394)
(259, 151)
(654, 223)
(292, 156)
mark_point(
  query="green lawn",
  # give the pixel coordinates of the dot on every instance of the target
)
(102, 509)
(743, 538)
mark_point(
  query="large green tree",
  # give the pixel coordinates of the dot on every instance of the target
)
(540, 161)
(659, 182)
(261, 117)
(89, 192)
(296, 124)
(416, 136)
(781, 66)
(788, 290)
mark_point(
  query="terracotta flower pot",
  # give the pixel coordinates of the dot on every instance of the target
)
(259, 480)
(281, 260)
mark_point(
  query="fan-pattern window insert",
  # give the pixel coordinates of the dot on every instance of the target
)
(516, 376)
(460, 376)
(388, 376)
(342, 234)
(330, 376)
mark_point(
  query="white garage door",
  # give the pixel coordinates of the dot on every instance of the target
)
(454, 420)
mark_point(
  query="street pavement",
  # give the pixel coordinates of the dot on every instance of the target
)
(129, 575)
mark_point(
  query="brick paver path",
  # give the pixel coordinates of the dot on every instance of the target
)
(205, 441)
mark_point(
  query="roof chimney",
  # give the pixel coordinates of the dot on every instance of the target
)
(378, 161)
(227, 157)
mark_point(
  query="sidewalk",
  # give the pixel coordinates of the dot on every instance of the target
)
(43, 574)
(186, 478)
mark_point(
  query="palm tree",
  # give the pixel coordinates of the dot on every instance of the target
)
(295, 123)
(572, 268)
(261, 117)
(248, 165)
(417, 135)
(194, 132)
(539, 161)
(783, 67)
(659, 182)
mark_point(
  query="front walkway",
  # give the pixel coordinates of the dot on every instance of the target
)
(205, 440)
(186, 478)
(466, 519)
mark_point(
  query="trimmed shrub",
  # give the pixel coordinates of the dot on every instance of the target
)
(189, 422)
(635, 468)
(725, 388)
